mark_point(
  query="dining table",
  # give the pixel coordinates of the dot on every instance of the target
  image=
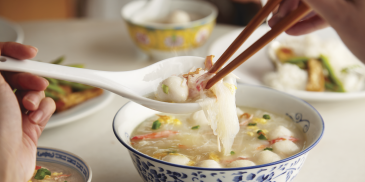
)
(106, 45)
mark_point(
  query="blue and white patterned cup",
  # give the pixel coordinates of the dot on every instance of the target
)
(285, 170)
(66, 159)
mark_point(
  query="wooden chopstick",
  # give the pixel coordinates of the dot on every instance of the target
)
(276, 30)
(250, 28)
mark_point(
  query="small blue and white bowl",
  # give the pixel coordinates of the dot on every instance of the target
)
(65, 158)
(300, 112)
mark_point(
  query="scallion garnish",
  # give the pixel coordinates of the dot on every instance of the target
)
(156, 125)
(165, 89)
(260, 131)
(262, 137)
(232, 153)
(267, 148)
(41, 173)
(195, 127)
(266, 116)
(252, 124)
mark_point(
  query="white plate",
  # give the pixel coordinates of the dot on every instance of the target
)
(86, 108)
(10, 32)
(252, 70)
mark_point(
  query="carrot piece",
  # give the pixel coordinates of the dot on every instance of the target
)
(62, 175)
(261, 147)
(181, 146)
(281, 139)
(161, 134)
(38, 167)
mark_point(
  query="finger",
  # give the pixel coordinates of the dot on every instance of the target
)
(333, 11)
(285, 8)
(17, 50)
(26, 81)
(45, 110)
(32, 99)
(34, 123)
(9, 111)
(307, 26)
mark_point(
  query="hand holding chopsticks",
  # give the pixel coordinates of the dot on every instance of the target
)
(280, 27)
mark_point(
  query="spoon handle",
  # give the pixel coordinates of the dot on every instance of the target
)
(80, 75)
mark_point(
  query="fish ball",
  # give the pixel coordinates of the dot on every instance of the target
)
(198, 118)
(178, 16)
(241, 163)
(285, 148)
(176, 159)
(279, 132)
(173, 89)
(267, 156)
(209, 164)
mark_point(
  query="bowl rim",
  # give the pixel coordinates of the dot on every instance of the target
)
(67, 152)
(213, 15)
(228, 169)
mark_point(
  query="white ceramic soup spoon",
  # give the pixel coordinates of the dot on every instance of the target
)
(134, 85)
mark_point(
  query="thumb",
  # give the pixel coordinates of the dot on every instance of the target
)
(333, 11)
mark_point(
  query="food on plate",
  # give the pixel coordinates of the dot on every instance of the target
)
(52, 172)
(69, 94)
(308, 63)
(187, 139)
(218, 102)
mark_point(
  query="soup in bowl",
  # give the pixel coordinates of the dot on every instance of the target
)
(266, 164)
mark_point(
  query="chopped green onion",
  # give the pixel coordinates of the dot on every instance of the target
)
(266, 116)
(262, 137)
(58, 60)
(41, 173)
(156, 125)
(76, 65)
(252, 124)
(165, 89)
(232, 153)
(15, 90)
(258, 132)
(267, 148)
(195, 127)
(172, 152)
(52, 81)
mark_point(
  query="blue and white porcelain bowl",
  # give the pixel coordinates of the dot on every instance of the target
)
(300, 112)
(65, 158)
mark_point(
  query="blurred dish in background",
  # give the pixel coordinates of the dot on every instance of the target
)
(10, 31)
(82, 110)
(254, 69)
(74, 100)
(161, 40)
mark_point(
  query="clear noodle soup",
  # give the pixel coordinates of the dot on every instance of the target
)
(52, 172)
(188, 139)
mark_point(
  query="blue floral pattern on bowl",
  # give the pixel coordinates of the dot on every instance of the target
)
(66, 159)
(151, 171)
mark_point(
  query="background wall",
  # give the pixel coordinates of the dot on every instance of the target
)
(237, 12)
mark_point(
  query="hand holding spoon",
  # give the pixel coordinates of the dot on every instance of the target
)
(134, 85)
